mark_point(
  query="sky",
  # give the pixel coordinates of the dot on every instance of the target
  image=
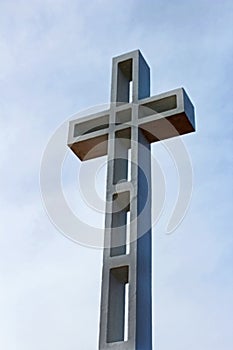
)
(55, 61)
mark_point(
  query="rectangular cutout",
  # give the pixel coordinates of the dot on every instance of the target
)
(92, 125)
(124, 76)
(123, 116)
(120, 226)
(158, 106)
(122, 144)
(117, 323)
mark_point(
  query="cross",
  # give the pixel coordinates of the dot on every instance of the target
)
(124, 133)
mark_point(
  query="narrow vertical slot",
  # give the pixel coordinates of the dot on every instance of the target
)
(128, 232)
(130, 91)
(117, 322)
(129, 165)
(126, 315)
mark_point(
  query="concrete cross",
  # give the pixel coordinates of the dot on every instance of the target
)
(133, 121)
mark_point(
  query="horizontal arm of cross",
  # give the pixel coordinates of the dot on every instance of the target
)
(160, 117)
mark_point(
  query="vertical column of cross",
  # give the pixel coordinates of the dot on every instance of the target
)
(122, 321)
(142, 171)
(116, 266)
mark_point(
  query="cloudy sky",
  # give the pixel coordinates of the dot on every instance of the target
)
(55, 60)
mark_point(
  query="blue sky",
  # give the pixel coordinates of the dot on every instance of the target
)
(55, 61)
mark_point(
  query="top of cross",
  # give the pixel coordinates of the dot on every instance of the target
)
(130, 67)
(162, 116)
